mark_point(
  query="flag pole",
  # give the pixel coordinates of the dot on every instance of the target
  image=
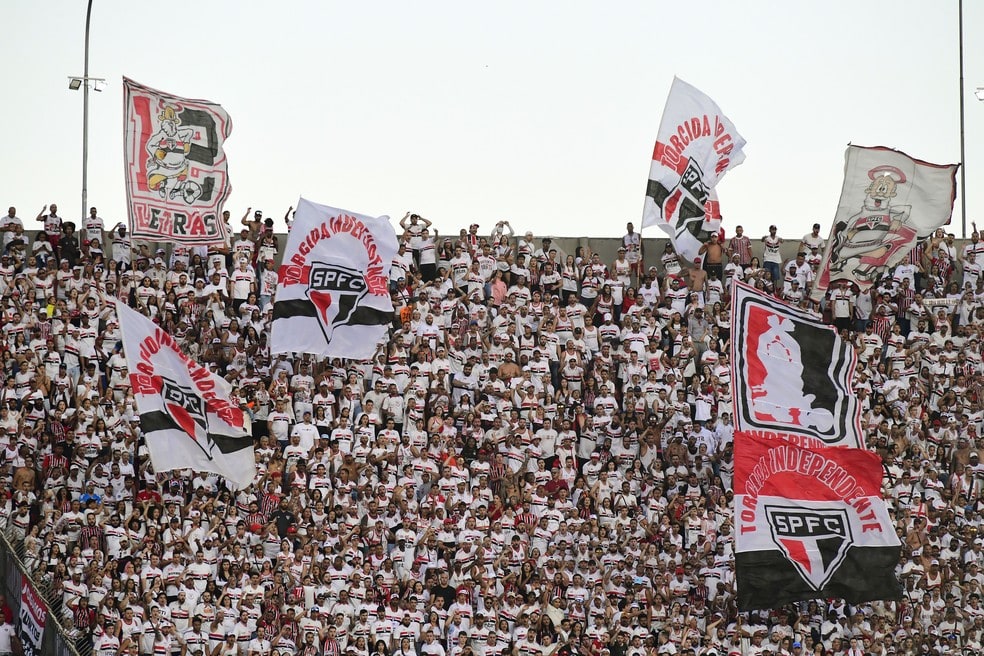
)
(963, 164)
(85, 116)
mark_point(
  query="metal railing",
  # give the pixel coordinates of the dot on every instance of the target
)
(59, 637)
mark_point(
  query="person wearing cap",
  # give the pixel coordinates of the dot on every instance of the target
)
(253, 222)
(622, 268)
(812, 240)
(712, 256)
(428, 460)
(772, 255)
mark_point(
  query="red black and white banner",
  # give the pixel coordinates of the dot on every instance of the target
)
(792, 374)
(31, 620)
(889, 202)
(186, 415)
(811, 523)
(177, 174)
(696, 145)
(333, 295)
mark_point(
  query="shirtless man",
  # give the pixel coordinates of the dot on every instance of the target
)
(713, 254)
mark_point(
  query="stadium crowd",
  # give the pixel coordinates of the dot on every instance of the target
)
(538, 462)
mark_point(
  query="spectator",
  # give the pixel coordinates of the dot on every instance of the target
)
(537, 462)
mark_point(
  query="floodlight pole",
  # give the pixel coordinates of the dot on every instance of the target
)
(85, 117)
(963, 163)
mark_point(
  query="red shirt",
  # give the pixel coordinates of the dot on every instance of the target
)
(148, 495)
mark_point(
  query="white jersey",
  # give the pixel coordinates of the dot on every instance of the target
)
(633, 246)
(92, 228)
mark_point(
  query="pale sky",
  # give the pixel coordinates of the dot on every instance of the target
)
(543, 113)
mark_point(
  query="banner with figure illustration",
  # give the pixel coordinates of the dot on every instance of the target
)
(811, 524)
(889, 202)
(333, 295)
(177, 175)
(792, 374)
(186, 414)
(696, 145)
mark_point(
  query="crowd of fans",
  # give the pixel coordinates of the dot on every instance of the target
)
(538, 462)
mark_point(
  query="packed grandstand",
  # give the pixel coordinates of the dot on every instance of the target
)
(537, 462)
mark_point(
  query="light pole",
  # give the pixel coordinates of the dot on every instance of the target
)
(963, 163)
(980, 96)
(75, 83)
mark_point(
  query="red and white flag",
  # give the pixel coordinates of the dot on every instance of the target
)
(888, 203)
(177, 174)
(792, 374)
(186, 415)
(811, 523)
(333, 295)
(31, 620)
(696, 145)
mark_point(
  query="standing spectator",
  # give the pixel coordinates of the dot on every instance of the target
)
(632, 241)
(812, 240)
(772, 258)
(52, 225)
(713, 260)
(741, 246)
(9, 642)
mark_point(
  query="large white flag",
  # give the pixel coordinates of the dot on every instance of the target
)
(186, 415)
(177, 174)
(695, 146)
(333, 294)
(889, 202)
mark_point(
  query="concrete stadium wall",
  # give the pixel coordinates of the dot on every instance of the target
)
(607, 247)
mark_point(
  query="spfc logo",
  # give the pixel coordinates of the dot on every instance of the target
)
(814, 541)
(685, 202)
(336, 291)
(187, 409)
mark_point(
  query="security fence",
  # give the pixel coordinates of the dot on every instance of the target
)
(40, 630)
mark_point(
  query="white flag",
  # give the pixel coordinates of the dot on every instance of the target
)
(177, 174)
(185, 412)
(695, 146)
(333, 295)
(889, 203)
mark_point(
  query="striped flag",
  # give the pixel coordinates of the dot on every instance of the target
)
(696, 145)
(811, 524)
(186, 416)
(792, 374)
(333, 295)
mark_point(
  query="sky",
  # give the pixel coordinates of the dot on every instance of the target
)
(540, 113)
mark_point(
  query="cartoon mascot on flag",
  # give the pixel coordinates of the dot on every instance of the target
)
(168, 164)
(864, 244)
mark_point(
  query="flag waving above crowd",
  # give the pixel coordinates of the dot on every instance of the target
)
(696, 145)
(792, 373)
(811, 524)
(177, 175)
(186, 415)
(333, 294)
(888, 203)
